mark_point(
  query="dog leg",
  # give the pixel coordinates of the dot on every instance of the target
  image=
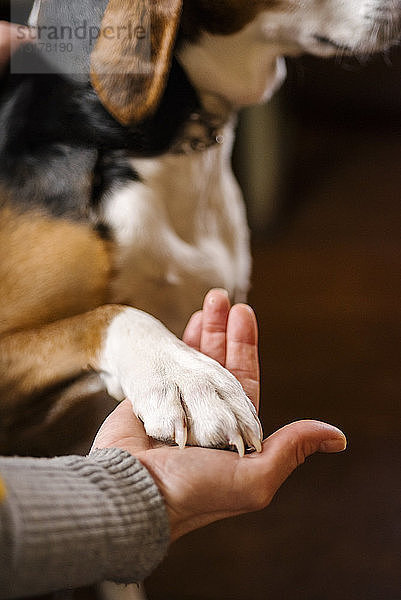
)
(179, 393)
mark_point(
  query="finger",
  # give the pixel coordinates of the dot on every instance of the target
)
(216, 307)
(242, 357)
(285, 450)
(193, 330)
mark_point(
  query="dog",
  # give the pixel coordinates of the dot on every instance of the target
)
(119, 209)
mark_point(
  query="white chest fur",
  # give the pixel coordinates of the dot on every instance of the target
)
(179, 231)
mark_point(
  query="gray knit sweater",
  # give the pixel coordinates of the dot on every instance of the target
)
(73, 521)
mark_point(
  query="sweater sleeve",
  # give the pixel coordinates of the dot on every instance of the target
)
(73, 521)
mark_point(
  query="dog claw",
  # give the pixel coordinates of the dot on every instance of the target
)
(181, 434)
(255, 441)
(257, 444)
(237, 441)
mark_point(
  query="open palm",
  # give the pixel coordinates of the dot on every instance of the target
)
(201, 485)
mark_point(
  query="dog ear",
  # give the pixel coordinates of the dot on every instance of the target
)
(132, 56)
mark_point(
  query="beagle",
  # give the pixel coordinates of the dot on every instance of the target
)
(119, 209)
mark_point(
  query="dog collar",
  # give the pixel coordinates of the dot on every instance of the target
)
(201, 131)
(205, 126)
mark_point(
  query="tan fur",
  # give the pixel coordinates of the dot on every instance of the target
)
(129, 72)
(54, 276)
(46, 356)
(49, 269)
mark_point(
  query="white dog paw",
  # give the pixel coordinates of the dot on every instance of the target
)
(180, 394)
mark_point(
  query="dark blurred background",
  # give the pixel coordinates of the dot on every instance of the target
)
(320, 167)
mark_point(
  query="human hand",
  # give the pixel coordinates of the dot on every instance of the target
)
(201, 485)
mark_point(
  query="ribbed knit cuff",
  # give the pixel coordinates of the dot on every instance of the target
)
(73, 521)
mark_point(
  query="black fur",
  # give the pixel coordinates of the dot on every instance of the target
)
(61, 151)
(111, 170)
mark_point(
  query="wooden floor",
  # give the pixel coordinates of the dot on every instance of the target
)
(327, 291)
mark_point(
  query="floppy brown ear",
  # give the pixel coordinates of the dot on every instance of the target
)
(132, 56)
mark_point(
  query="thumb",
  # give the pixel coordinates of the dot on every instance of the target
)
(121, 429)
(288, 448)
